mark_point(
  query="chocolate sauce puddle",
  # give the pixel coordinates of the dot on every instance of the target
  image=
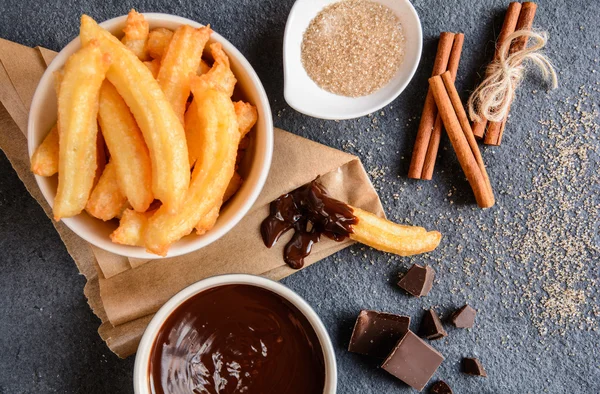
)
(310, 212)
(237, 339)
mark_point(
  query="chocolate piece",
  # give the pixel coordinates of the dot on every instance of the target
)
(418, 280)
(464, 317)
(376, 333)
(311, 212)
(236, 338)
(431, 326)
(472, 366)
(440, 387)
(413, 361)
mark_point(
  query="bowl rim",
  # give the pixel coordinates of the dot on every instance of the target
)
(368, 109)
(211, 236)
(140, 369)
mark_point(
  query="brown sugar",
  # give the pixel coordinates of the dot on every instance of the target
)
(353, 47)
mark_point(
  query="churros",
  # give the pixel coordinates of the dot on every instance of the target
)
(128, 150)
(220, 75)
(215, 117)
(234, 185)
(158, 41)
(106, 200)
(77, 128)
(394, 238)
(247, 115)
(209, 220)
(131, 228)
(153, 66)
(44, 161)
(221, 78)
(162, 130)
(179, 62)
(136, 34)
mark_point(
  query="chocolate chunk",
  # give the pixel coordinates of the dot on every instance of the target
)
(440, 387)
(472, 366)
(376, 333)
(431, 326)
(464, 317)
(413, 361)
(418, 280)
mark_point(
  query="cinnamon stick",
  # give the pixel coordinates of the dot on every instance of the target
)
(461, 137)
(436, 133)
(525, 22)
(429, 113)
(528, 9)
(508, 27)
(432, 149)
(464, 123)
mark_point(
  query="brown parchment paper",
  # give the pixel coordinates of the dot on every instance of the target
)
(125, 293)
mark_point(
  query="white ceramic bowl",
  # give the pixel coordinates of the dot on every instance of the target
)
(141, 370)
(42, 116)
(305, 96)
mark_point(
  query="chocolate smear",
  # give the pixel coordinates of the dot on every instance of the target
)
(418, 280)
(472, 366)
(376, 333)
(310, 212)
(440, 387)
(464, 317)
(413, 361)
(431, 326)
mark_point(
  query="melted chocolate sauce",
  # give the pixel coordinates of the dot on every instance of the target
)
(311, 212)
(237, 339)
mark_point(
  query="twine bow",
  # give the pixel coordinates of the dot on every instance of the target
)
(492, 98)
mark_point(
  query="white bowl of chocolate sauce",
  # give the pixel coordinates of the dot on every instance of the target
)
(235, 334)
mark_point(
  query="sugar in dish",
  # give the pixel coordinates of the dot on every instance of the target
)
(353, 47)
(305, 95)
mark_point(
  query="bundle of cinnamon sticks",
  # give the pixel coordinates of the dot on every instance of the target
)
(518, 17)
(443, 108)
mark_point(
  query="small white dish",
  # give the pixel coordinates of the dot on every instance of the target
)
(142, 359)
(304, 95)
(42, 116)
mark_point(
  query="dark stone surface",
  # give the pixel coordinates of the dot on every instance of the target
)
(48, 338)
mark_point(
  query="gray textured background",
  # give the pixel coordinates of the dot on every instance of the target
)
(48, 339)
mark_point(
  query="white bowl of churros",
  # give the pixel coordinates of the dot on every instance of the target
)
(150, 135)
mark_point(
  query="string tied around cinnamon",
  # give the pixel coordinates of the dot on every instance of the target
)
(492, 98)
